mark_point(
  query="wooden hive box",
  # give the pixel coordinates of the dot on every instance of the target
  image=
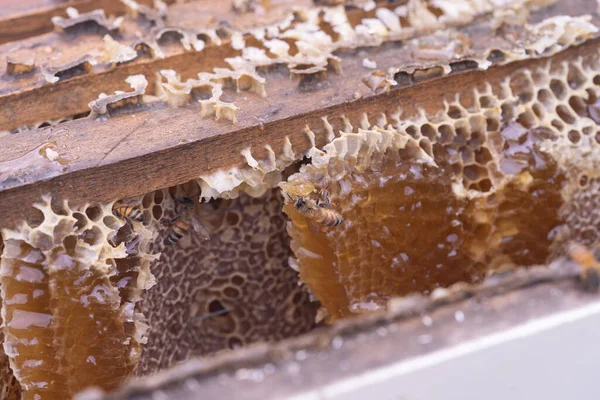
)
(179, 179)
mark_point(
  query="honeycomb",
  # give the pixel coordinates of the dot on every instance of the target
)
(502, 179)
(68, 301)
(77, 305)
(9, 387)
(75, 18)
(225, 292)
(101, 105)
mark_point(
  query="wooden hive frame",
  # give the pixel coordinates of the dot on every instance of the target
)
(135, 147)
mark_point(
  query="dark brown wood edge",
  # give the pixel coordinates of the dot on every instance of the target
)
(93, 180)
(20, 93)
(38, 21)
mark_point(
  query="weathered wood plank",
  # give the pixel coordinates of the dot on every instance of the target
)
(23, 19)
(69, 97)
(18, 93)
(131, 154)
(140, 150)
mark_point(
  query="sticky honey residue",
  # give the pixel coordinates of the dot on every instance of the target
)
(428, 201)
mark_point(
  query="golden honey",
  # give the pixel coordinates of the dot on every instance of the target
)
(429, 201)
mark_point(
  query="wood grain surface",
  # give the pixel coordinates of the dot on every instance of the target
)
(143, 148)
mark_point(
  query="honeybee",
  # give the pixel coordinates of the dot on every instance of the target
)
(318, 210)
(181, 224)
(292, 190)
(128, 211)
(589, 261)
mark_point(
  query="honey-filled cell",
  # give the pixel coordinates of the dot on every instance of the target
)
(428, 201)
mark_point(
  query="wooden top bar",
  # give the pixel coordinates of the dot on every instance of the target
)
(141, 149)
(27, 18)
